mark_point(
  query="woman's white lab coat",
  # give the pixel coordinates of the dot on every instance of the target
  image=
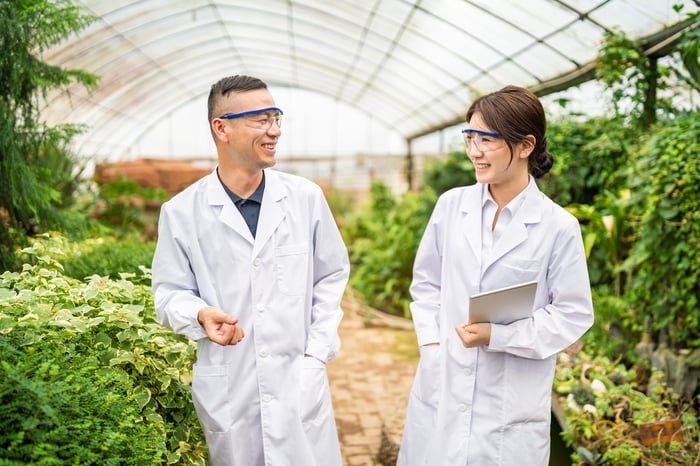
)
(261, 401)
(491, 405)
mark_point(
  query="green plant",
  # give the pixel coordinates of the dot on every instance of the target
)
(454, 170)
(665, 272)
(590, 158)
(55, 411)
(607, 235)
(603, 410)
(128, 257)
(124, 205)
(36, 168)
(382, 257)
(106, 328)
(689, 49)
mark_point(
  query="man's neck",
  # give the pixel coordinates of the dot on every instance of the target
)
(243, 183)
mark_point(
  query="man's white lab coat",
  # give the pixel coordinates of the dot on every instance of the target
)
(260, 401)
(491, 405)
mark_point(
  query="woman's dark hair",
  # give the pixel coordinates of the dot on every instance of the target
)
(514, 112)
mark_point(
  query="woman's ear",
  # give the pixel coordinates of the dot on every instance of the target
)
(527, 145)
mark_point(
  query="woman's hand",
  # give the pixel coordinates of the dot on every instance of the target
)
(473, 335)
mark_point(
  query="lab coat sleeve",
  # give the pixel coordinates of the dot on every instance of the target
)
(175, 293)
(570, 312)
(425, 287)
(331, 269)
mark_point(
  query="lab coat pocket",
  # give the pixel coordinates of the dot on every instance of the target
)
(526, 443)
(314, 390)
(529, 391)
(291, 268)
(212, 401)
(427, 384)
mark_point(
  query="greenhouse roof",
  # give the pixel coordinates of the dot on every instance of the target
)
(412, 65)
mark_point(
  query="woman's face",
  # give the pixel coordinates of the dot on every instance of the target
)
(493, 162)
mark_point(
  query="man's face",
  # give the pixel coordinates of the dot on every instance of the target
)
(251, 140)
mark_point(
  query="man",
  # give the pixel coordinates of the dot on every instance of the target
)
(250, 263)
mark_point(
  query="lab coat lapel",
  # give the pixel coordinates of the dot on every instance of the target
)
(271, 211)
(229, 215)
(471, 220)
(529, 212)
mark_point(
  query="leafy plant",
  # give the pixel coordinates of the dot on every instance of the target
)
(689, 49)
(105, 328)
(129, 257)
(36, 169)
(454, 170)
(603, 410)
(667, 286)
(382, 254)
(127, 207)
(55, 411)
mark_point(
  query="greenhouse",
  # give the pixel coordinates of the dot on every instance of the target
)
(371, 110)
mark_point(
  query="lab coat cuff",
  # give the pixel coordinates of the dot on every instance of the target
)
(313, 362)
(318, 351)
(427, 336)
(196, 331)
(500, 335)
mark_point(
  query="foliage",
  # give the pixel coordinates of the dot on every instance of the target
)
(607, 236)
(454, 170)
(624, 69)
(689, 49)
(341, 205)
(603, 410)
(590, 157)
(110, 256)
(384, 246)
(36, 168)
(53, 411)
(126, 206)
(381, 203)
(667, 286)
(100, 327)
(617, 329)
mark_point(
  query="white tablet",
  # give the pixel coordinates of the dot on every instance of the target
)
(504, 305)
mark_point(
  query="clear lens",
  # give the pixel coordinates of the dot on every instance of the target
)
(482, 142)
(264, 122)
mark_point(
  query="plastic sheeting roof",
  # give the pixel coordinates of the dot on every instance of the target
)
(412, 65)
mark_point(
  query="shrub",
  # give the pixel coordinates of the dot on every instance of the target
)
(603, 410)
(98, 335)
(454, 170)
(664, 266)
(111, 257)
(382, 256)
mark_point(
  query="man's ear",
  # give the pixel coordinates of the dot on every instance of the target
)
(218, 129)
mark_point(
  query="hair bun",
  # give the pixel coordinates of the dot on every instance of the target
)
(542, 162)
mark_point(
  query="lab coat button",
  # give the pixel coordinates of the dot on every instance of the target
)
(462, 407)
(257, 262)
(260, 307)
(468, 371)
(263, 354)
(267, 398)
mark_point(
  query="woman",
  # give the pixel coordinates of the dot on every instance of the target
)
(482, 391)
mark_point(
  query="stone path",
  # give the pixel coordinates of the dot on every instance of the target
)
(370, 381)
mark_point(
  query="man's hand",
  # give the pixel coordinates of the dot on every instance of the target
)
(473, 335)
(221, 328)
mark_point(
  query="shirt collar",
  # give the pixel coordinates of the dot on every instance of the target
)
(514, 204)
(256, 196)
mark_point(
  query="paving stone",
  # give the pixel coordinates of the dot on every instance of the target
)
(370, 382)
